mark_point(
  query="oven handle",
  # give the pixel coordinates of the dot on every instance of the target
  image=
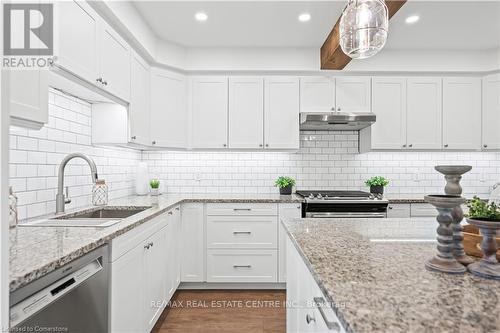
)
(346, 215)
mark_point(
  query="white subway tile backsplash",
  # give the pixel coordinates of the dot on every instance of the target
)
(326, 160)
(35, 157)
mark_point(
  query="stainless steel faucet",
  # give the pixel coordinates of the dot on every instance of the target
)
(61, 199)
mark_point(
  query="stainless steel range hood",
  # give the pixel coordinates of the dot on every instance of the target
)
(336, 121)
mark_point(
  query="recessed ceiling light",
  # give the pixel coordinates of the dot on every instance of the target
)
(200, 16)
(304, 17)
(412, 19)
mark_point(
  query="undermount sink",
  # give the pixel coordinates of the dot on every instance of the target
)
(94, 217)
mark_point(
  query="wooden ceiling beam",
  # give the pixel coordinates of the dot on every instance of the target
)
(332, 56)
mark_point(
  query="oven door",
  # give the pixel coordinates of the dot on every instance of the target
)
(345, 210)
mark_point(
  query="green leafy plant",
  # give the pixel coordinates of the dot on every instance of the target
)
(154, 183)
(284, 181)
(480, 209)
(377, 181)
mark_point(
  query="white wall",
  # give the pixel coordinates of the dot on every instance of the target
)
(35, 157)
(326, 160)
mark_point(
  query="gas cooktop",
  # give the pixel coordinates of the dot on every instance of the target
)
(338, 195)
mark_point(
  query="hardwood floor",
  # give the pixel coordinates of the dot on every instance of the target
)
(224, 311)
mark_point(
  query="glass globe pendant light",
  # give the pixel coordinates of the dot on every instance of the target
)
(363, 28)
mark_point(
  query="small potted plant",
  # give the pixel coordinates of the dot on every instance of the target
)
(377, 184)
(285, 184)
(155, 186)
(482, 210)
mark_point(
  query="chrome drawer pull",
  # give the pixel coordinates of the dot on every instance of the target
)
(242, 266)
(243, 209)
(318, 301)
(242, 232)
(309, 319)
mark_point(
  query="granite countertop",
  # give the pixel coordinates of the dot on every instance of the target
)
(374, 269)
(36, 251)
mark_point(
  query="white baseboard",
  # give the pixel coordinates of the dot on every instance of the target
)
(213, 285)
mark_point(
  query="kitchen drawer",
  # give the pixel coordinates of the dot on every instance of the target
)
(262, 209)
(242, 266)
(242, 232)
(326, 320)
(423, 210)
(398, 210)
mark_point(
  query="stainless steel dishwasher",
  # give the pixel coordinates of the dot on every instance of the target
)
(73, 298)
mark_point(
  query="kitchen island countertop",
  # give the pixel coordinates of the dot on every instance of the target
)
(375, 270)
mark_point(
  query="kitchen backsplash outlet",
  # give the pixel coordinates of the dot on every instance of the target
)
(35, 157)
(326, 160)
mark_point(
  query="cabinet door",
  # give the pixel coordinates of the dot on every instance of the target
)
(76, 29)
(293, 284)
(281, 113)
(176, 234)
(168, 109)
(138, 111)
(155, 276)
(28, 97)
(246, 112)
(285, 211)
(127, 293)
(317, 94)
(389, 104)
(462, 113)
(114, 55)
(192, 249)
(491, 112)
(424, 112)
(353, 94)
(209, 112)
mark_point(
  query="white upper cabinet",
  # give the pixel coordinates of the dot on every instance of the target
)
(114, 57)
(424, 112)
(139, 111)
(491, 112)
(461, 113)
(209, 105)
(76, 32)
(246, 113)
(353, 94)
(317, 94)
(88, 48)
(389, 104)
(168, 109)
(281, 112)
(28, 97)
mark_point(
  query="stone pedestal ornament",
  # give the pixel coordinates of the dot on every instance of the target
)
(444, 261)
(453, 175)
(488, 267)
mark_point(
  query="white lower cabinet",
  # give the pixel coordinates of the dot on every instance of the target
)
(307, 309)
(398, 210)
(192, 253)
(242, 265)
(286, 210)
(144, 270)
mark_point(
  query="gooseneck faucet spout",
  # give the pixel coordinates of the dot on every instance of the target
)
(61, 199)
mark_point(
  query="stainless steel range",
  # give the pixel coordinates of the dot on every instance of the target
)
(341, 204)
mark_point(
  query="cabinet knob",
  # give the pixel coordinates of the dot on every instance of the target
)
(310, 319)
(99, 79)
(485, 146)
(170, 213)
(147, 246)
(261, 145)
(390, 207)
(267, 145)
(224, 145)
(410, 145)
(298, 207)
(105, 83)
(154, 142)
(133, 137)
(404, 146)
(446, 146)
(177, 208)
(338, 109)
(333, 108)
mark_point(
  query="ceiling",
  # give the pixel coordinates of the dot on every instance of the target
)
(443, 25)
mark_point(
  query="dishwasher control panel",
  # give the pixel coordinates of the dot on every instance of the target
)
(31, 305)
